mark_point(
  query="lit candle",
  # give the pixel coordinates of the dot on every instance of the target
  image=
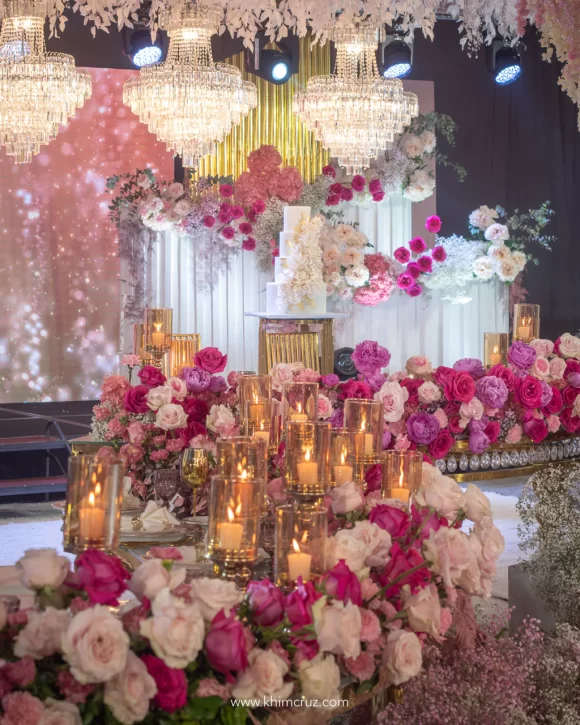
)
(230, 533)
(298, 416)
(342, 473)
(256, 410)
(158, 337)
(525, 329)
(368, 438)
(400, 493)
(91, 521)
(495, 357)
(299, 563)
(262, 433)
(308, 470)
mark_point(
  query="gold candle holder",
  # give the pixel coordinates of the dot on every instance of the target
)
(300, 543)
(300, 401)
(526, 323)
(235, 506)
(495, 348)
(276, 425)
(341, 456)
(183, 348)
(158, 332)
(307, 459)
(252, 391)
(242, 457)
(93, 503)
(139, 343)
(365, 418)
(402, 472)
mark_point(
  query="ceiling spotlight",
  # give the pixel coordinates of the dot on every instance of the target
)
(274, 65)
(142, 50)
(397, 58)
(504, 62)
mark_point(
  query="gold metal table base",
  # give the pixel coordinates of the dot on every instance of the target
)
(313, 348)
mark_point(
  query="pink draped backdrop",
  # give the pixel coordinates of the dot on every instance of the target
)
(60, 301)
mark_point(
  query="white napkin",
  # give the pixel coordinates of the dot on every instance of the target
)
(153, 519)
(188, 553)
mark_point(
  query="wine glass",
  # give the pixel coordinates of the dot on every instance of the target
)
(166, 483)
(194, 471)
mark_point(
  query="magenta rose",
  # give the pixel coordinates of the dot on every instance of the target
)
(249, 244)
(102, 576)
(492, 391)
(266, 603)
(347, 195)
(418, 245)
(405, 280)
(530, 392)
(225, 644)
(478, 441)
(470, 365)
(228, 232)
(569, 421)
(299, 603)
(444, 377)
(208, 221)
(151, 376)
(259, 206)
(443, 443)
(556, 403)
(433, 224)
(136, 399)
(427, 521)
(329, 171)
(369, 357)
(390, 519)
(196, 409)
(439, 254)
(536, 430)
(425, 264)
(330, 381)
(355, 389)
(171, 684)
(373, 476)
(414, 291)
(379, 196)
(399, 564)
(342, 583)
(414, 270)
(375, 186)
(402, 255)
(192, 430)
(333, 200)
(412, 386)
(572, 367)
(226, 190)
(358, 182)
(503, 373)
(492, 430)
(569, 395)
(245, 228)
(521, 355)
(196, 379)
(463, 387)
(211, 360)
(422, 428)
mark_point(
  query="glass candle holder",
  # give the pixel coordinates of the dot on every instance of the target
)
(183, 348)
(307, 458)
(276, 425)
(365, 418)
(158, 332)
(300, 543)
(495, 348)
(300, 401)
(402, 472)
(242, 457)
(253, 390)
(341, 456)
(526, 322)
(93, 503)
(235, 506)
(139, 342)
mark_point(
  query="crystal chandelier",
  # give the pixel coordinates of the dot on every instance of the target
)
(189, 102)
(38, 90)
(355, 113)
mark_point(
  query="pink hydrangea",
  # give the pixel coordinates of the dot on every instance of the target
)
(379, 289)
(287, 184)
(159, 455)
(264, 160)
(174, 445)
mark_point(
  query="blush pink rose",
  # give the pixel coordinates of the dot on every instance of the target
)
(418, 365)
(514, 434)
(543, 347)
(557, 367)
(429, 392)
(541, 368)
(441, 416)
(553, 423)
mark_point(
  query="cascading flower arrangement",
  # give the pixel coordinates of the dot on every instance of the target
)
(204, 652)
(418, 262)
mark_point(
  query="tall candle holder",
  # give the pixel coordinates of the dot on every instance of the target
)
(242, 457)
(183, 348)
(495, 348)
(158, 332)
(307, 459)
(526, 323)
(94, 495)
(402, 473)
(342, 462)
(300, 401)
(366, 419)
(139, 343)
(300, 542)
(233, 527)
(253, 390)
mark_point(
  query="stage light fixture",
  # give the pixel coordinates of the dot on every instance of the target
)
(273, 65)
(397, 58)
(508, 66)
(143, 51)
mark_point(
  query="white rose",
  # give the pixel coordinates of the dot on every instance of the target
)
(320, 678)
(497, 233)
(331, 254)
(170, 417)
(213, 595)
(60, 712)
(570, 346)
(42, 568)
(335, 278)
(357, 276)
(176, 630)
(343, 545)
(151, 577)
(264, 677)
(128, 694)
(393, 397)
(175, 190)
(492, 544)
(411, 145)
(499, 252)
(429, 392)
(178, 388)
(520, 260)
(281, 373)
(483, 268)
(182, 208)
(482, 217)
(476, 504)
(42, 634)
(161, 395)
(221, 419)
(473, 410)
(324, 407)
(449, 554)
(506, 269)
(351, 257)
(440, 493)
(544, 348)
(424, 610)
(346, 497)
(421, 186)
(429, 141)
(338, 628)
(402, 656)
(377, 542)
(418, 365)
(471, 579)
(95, 645)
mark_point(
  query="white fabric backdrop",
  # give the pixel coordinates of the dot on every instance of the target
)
(407, 326)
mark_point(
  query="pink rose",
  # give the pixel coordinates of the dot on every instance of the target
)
(211, 360)
(342, 583)
(429, 393)
(324, 407)
(544, 348)
(41, 568)
(151, 376)
(266, 603)
(463, 387)
(541, 368)
(346, 497)
(171, 684)
(391, 519)
(171, 417)
(225, 644)
(418, 245)
(42, 634)
(102, 576)
(530, 392)
(402, 656)
(553, 423)
(419, 366)
(424, 611)
(128, 693)
(557, 367)
(167, 553)
(536, 430)
(276, 489)
(299, 603)
(136, 399)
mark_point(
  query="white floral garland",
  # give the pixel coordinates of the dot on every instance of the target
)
(302, 277)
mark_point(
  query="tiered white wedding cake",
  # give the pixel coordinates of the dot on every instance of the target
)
(299, 259)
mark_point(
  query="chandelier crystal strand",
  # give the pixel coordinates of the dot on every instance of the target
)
(38, 90)
(189, 102)
(355, 113)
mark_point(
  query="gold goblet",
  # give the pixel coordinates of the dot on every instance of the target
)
(195, 471)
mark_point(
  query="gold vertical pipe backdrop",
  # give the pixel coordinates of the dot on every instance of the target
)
(273, 122)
